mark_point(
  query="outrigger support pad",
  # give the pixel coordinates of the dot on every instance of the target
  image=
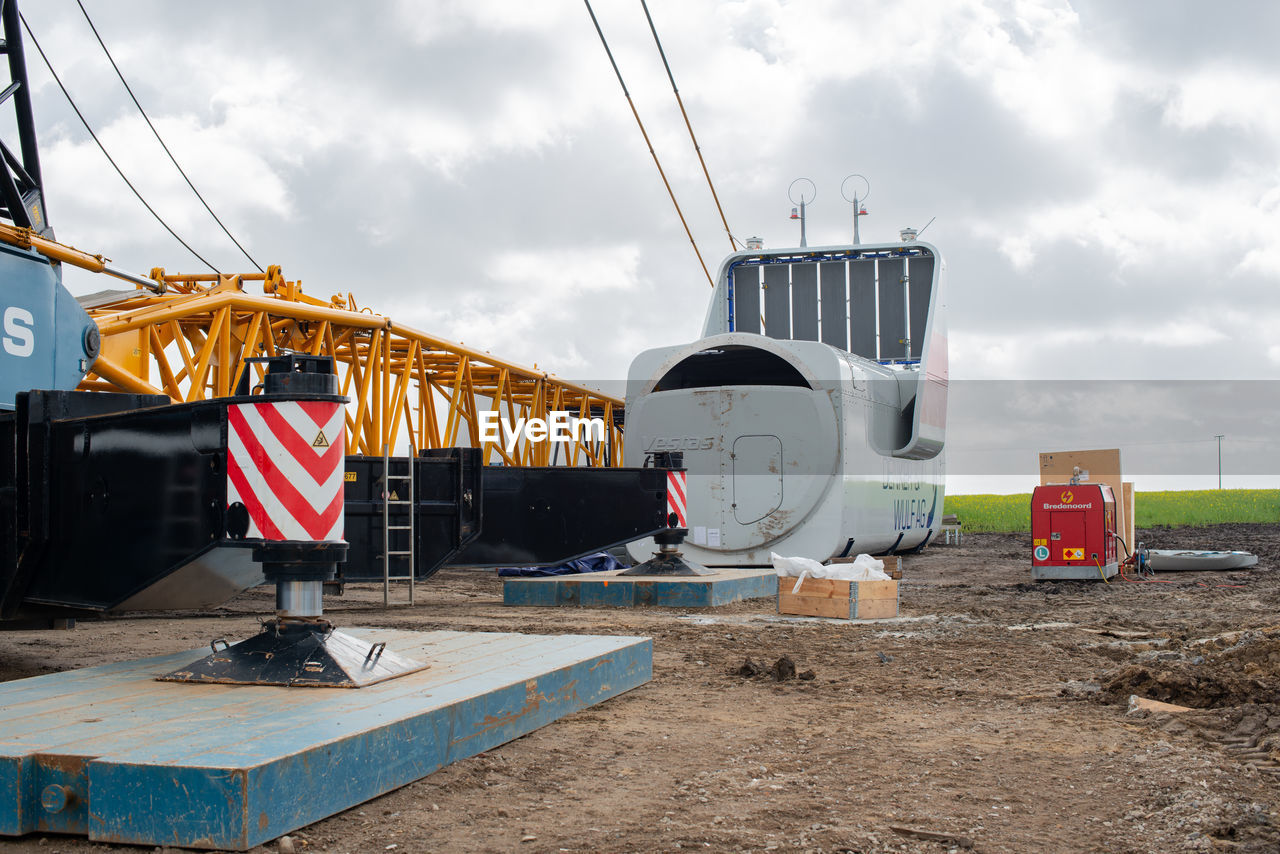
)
(668, 560)
(297, 652)
(299, 648)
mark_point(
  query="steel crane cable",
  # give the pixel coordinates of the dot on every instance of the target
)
(103, 148)
(733, 242)
(173, 159)
(645, 134)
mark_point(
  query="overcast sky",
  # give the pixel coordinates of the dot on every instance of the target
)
(1103, 176)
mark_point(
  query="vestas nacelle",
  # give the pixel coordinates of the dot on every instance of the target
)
(812, 412)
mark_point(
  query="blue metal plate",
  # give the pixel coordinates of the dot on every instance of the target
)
(113, 754)
(606, 589)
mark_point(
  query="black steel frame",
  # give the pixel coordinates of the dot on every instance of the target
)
(21, 185)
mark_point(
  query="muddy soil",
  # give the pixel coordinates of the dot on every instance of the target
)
(992, 716)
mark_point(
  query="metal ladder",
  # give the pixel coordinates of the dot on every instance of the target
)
(387, 527)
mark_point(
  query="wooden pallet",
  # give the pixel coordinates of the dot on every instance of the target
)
(112, 754)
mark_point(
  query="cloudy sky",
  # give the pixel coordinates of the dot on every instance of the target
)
(1103, 176)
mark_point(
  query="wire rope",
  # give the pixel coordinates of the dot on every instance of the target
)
(733, 242)
(172, 159)
(103, 148)
(645, 134)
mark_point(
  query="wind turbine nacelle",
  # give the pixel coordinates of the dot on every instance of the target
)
(800, 447)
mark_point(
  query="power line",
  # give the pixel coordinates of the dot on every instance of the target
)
(645, 134)
(733, 244)
(103, 148)
(161, 141)
(992, 449)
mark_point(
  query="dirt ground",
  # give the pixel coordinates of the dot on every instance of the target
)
(993, 714)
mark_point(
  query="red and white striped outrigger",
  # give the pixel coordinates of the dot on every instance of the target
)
(668, 560)
(677, 489)
(284, 494)
(285, 463)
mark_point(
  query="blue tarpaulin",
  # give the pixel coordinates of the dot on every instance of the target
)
(598, 562)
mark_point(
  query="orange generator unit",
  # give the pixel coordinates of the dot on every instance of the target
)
(1073, 532)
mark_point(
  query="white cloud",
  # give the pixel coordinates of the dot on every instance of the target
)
(558, 273)
(531, 305)
(235, 179)
(1226, 95)
(1019, 251)
(1173, 333)
(1105, 208)
(427, 22)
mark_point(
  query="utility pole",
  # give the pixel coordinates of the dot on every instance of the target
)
(1219, 438)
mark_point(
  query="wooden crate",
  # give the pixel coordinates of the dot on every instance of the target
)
(847, 600)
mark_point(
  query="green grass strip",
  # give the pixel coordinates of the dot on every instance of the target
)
(1012, 513)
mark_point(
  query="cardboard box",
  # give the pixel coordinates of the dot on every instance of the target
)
(847, 600)
(1127, 517)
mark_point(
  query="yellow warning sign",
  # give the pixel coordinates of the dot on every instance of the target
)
(321, 441)
(1073, 554)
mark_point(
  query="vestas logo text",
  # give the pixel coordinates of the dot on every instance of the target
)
(679, 443)
(19, 331)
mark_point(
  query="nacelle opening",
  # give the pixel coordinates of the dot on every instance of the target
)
(733, 365)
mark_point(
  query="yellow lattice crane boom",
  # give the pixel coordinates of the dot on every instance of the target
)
(193, 338)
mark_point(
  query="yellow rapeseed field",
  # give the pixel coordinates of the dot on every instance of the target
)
(1193, 507)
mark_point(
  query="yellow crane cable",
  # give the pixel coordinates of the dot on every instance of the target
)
(733, 244)
(645, 134)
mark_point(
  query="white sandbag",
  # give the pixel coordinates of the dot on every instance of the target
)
(863, 568)
(868, 569)
(794, 565)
